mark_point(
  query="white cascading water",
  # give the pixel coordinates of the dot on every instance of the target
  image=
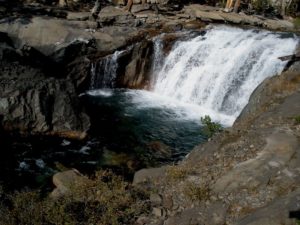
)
(104, 72)
(219, 70)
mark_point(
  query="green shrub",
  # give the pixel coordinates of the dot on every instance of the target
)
(297, 22)
(297, 120)
(209, 127)
(262, 6)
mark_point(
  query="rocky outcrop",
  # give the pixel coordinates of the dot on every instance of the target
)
(212, 14)
(32, 99)
(45, 64)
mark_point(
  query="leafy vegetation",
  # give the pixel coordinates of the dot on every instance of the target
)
(210, 127)
(103, 200)
(297, 22)
(297, 120)
(262, 6)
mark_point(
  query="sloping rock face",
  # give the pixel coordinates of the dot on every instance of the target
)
(248, 174)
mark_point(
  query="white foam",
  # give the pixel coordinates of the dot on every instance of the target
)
(100, 92)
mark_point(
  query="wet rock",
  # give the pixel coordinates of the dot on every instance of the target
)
(138, 71)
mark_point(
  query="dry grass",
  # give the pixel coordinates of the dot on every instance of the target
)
(297, 120)
(286, 83)
(177, 173)
(197, 192)
(103, 200)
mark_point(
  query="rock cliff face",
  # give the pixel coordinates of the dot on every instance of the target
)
(34, 101)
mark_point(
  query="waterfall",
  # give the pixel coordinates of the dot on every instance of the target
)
(158, 57)
(219, 70)
(104, 72)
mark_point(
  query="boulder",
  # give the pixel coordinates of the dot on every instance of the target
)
(64, 182)
(151, 174)
(47, 35)
(278, 25)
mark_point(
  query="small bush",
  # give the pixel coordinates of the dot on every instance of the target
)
(297, 120)
(209, 127)
(197, 192)
(297, 22)
(175, 173)
(262, 6)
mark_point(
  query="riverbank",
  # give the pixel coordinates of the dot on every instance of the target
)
(248, 174)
